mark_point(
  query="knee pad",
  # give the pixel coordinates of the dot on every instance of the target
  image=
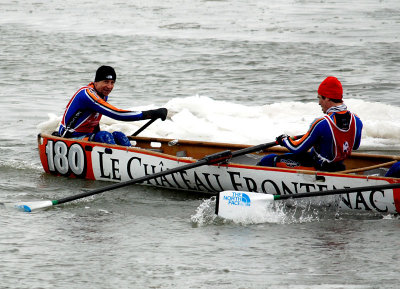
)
(267, 161)
(121, 139)
(394, 171)
(104, 137)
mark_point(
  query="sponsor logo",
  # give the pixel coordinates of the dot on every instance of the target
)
(290, 163)
(238, 199)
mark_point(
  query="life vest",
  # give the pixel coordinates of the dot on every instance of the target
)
(77, 123)
(343, 139)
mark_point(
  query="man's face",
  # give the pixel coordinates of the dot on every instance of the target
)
(324, 103)
(104, 87)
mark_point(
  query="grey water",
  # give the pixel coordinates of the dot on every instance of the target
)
(245, 52)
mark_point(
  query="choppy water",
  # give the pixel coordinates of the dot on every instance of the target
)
(230, 71)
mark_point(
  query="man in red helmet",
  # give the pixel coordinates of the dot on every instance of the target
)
(329, 140)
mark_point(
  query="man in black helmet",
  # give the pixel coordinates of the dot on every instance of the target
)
(83, 113)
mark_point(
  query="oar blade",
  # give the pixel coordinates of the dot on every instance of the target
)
(32, 206)
(241, 206)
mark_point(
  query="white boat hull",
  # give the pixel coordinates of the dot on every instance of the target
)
(75, 158)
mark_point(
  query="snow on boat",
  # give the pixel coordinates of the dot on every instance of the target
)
(99, 161)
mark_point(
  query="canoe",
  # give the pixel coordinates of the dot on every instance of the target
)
(98, 161)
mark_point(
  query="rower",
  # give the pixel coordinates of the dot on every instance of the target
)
(329, 140)
(83, 113)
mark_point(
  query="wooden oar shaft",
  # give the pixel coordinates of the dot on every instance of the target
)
(368, 168)
(337, 192)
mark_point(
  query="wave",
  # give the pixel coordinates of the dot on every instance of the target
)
(204, 118)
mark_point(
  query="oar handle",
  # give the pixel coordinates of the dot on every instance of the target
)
(253, 149)
(259, 147)
(144, 127)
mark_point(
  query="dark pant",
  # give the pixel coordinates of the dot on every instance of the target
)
(305, 161)
(394, 171)
(116, 137)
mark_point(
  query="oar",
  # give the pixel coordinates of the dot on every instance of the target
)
(231, 204)
(207, 160)
(144, 127)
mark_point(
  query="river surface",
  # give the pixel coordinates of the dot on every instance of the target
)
(240, 71)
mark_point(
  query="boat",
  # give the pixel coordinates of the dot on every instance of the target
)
(150, 155)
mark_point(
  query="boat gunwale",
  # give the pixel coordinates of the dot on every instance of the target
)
(354, 155)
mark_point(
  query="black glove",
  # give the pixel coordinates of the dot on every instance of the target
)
(155, 113)
(280, 138)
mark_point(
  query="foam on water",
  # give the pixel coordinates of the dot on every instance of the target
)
(203, 118)
(205, 215)
(271, 213)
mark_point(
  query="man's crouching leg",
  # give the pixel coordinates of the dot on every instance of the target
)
(394, 171)
(121, 139)
(268, 161)
(104, 137)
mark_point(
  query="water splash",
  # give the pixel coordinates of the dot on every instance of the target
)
(287, 212)
(50, 125)
(273, 213)
(205, 213)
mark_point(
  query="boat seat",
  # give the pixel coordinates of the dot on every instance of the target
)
(181, 154)
(155, 150)
(376, 172)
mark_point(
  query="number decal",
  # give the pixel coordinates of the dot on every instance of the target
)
(64, 160)
(76, 159)
(50, 155)
(60, 157)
